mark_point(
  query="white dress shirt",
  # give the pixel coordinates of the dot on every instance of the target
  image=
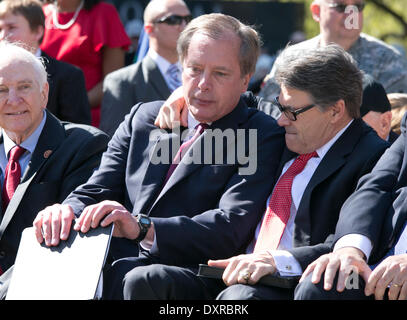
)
(286, 264)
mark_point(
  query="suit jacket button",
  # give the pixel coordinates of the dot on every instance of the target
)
(2, 254)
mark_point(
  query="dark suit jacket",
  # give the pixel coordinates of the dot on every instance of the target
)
(65, 156)
(122, 89)
(350, 157)
(378, 209)
(67, 99)
(204, 211)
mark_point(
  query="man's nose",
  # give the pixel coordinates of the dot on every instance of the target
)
(283, 120)
(13, 96)
(204, 82)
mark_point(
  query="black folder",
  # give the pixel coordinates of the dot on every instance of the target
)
(270, 280)
(69, 271)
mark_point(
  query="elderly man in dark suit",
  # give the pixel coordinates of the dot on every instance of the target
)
(152, 78)
(41, 158)
(202, 205)
(328, 149)
(24, 21)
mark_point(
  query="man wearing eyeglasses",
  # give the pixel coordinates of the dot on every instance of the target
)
(328, 148)
(154, 77)
(341, 22)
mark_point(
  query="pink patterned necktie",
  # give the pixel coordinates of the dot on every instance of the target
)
(278, 208)
(199, 129)
(12, 175)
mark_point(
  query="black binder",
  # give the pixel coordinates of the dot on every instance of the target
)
(269, 280)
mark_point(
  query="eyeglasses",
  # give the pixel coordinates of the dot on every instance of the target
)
(290, 112)
(174, 19)
(341, 7)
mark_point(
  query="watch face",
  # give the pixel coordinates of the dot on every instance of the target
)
(144, 221)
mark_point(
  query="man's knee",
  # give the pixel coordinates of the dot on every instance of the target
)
(306, 290)
(147, 282)
(354, 290)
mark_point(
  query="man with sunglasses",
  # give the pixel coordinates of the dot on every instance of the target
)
(341, 22)
(154, 77)
(321, 91)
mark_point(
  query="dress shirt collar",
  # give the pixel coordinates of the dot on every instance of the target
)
(38, 53)
(162, 63)
(30, 143)
(192, 122)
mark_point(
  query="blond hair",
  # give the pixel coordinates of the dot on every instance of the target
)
(398, 103)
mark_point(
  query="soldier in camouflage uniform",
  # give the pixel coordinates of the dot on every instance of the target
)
(384, 63)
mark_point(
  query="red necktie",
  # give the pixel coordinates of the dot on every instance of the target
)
(12, 175)
(199, 129)
(278, 209)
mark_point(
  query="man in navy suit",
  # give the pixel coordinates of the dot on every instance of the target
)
(57, 156)
(211, 203)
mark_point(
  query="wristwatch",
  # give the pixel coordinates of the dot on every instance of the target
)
(144, 223)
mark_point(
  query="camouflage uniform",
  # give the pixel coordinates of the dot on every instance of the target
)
(384, 63)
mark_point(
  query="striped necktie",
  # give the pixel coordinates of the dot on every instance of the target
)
(174, 77)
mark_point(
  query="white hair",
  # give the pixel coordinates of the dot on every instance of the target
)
(15, 51)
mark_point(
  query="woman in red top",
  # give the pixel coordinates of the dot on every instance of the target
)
(90, 35)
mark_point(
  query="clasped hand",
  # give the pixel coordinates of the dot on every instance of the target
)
(54, 222)
(391, 273)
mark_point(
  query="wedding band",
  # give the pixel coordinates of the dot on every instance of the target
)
(245, 274)
(395, 285)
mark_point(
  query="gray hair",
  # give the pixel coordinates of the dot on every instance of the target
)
(12, 51)
(215, 25)
(327, 73)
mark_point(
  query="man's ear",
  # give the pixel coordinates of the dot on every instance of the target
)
(385, 121)
(39, 33)
(338, 111)
(315, 10)
(246, 80)
(44, 94)
(148, 28)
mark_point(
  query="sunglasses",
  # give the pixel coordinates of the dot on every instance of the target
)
(174, 19)
(341, 7)
(290, 112)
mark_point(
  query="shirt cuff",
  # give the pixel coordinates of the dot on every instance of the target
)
(357, 241)
(285, 262)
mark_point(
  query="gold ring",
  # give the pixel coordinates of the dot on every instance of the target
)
(395, 285)
(245, 274)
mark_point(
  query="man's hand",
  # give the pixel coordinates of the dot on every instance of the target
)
(105, 213)
(53, 224)
(392, 273)
(256, 264)
(174, 112)
(344, 260)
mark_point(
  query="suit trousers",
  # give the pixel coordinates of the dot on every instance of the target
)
(255, 292)
(140, 279)
(306, 290)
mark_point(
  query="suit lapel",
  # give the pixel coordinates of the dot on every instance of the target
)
(332, 161)
(154, 78)
(230, 121)
(160, 158)
(50, 138)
